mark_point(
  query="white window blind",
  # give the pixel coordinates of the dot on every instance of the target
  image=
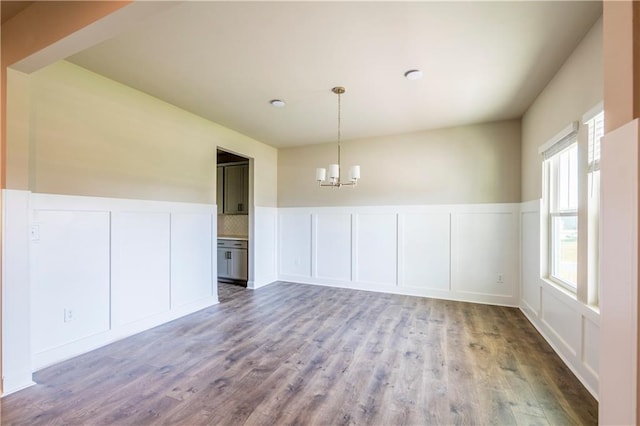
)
(560, 141)
(596, 131)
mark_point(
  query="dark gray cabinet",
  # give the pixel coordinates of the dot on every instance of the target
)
(235, 188)
(232, 259)
(220, 189)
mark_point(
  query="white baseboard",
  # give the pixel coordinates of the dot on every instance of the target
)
(507, 301)
(16, 382)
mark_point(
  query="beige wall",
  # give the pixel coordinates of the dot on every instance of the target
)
(470, 164)
(17, 130)
(37, 27)
(576, 88)
(88, 135)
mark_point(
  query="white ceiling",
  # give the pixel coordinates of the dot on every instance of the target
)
(482, 61)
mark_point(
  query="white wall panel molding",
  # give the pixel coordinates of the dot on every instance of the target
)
(16, 292)
(313, 255)
(591, 346)
(193, 276)
(263, 243)
(140, 259)
(99, 269)
(562, 321)
(485, 254)
(333, 246)
(376, 249)
(295, 243)
(399, 249)
(530, 291)
(70, 277)
(424, 250)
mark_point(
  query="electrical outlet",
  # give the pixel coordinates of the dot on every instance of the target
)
(500, 279)
(68, 315)
(35, 232)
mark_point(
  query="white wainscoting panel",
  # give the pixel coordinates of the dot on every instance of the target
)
(295, 244)
(333, 246)
(562, 320)
(121, 266)
(425, 250)
(404, 249)
(265, 247)
(192, 270)
(591, 346)
(485, 261)
(376, 248)
(71, 271)
(530, 265)
(568, 325)
(16, 292)
(140, 254)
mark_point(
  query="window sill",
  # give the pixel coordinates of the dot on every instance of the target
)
(561, 288)
(594, 308)
(588, 311)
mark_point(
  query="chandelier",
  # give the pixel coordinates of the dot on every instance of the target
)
(335, 169)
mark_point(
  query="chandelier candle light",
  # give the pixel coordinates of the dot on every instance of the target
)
(334, 169)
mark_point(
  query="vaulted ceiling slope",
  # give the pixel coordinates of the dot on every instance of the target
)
(482, 61)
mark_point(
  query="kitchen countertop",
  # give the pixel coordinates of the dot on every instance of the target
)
(233, 237)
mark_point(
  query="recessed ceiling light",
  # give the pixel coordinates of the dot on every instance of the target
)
(413, 74)
(277, 103)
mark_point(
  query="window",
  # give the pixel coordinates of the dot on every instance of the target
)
(571, 207)
(560, 208)
(563, 216)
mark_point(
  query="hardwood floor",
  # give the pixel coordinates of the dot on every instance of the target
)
(300, 354)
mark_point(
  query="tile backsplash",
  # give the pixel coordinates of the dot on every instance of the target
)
(233, 224)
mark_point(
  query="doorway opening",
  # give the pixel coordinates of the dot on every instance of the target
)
(234, 208)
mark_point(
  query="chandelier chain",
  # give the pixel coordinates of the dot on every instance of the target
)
(339, 127)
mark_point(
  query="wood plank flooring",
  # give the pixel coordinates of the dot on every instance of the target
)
(299, 354)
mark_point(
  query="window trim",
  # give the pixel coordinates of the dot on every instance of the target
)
(591, 250)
